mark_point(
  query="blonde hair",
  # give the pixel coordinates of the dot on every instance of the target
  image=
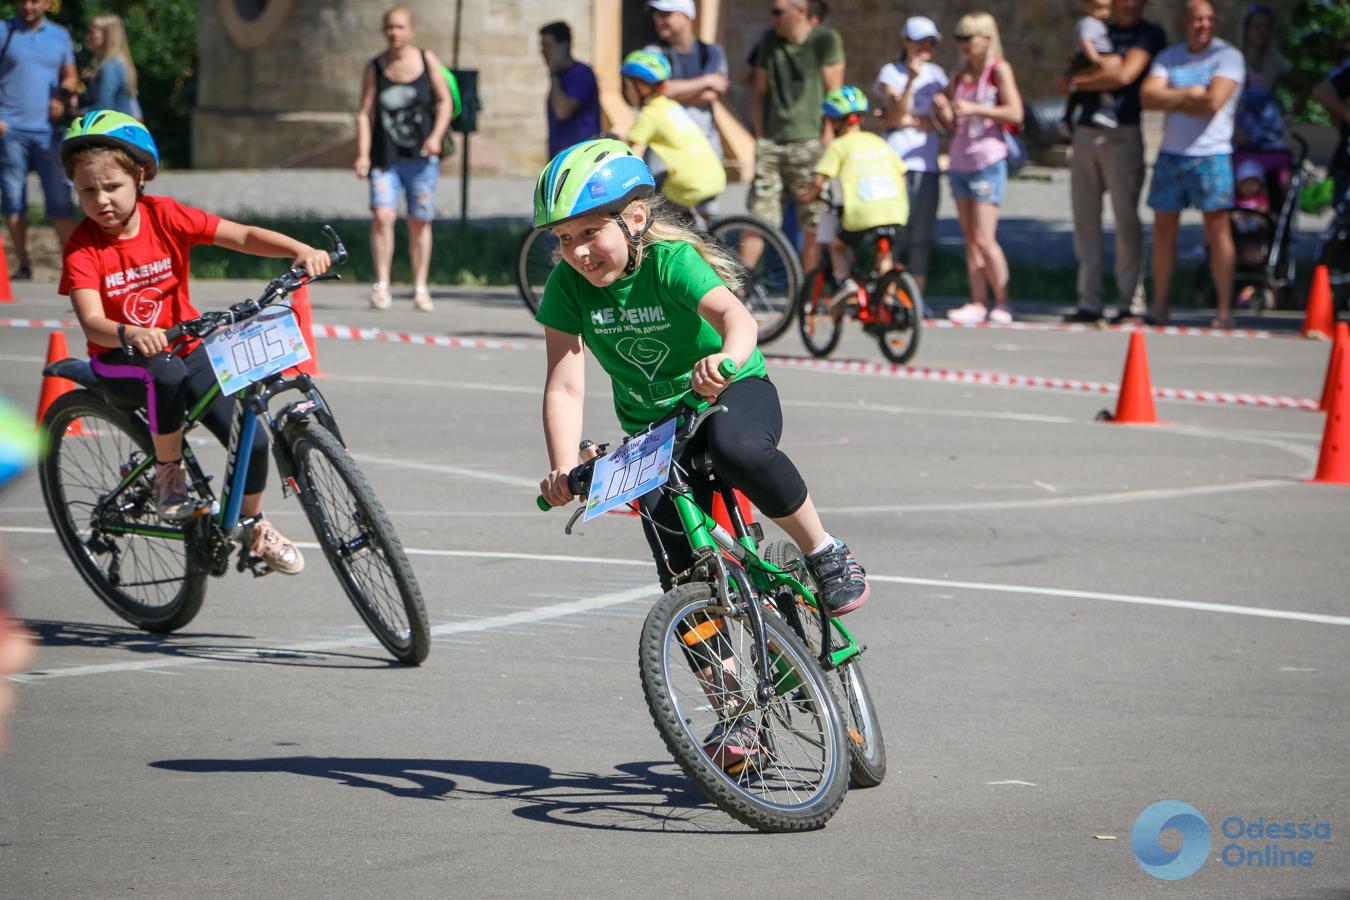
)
(114, 45)
(982, 23)
(400, 8)
(665, 224)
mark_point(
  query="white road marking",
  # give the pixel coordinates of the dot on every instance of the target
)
(1079, 500)
(442, 469)
(1012, 781)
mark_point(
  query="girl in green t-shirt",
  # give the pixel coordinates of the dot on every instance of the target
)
(653, 300)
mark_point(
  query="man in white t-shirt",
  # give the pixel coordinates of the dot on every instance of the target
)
(908, 91)
(1196, 83)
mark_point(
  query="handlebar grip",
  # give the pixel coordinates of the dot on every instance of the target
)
(174, 333)
(727, 368)
(544, 505)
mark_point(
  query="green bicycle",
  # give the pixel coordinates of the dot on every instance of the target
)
(739, 644)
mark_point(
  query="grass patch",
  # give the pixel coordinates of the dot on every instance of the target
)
(475, 254)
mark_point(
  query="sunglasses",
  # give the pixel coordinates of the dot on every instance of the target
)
(962, 38)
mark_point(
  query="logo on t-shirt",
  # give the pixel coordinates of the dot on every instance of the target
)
(142, 307)
(645, 353)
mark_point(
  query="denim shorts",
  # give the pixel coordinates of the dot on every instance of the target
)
(1205, 182)
(985, 186)
(413, 176)
(22, 152)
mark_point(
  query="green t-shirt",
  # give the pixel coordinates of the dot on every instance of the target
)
(644, 329)
(796, 90)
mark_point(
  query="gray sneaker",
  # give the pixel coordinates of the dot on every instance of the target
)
(173, 503)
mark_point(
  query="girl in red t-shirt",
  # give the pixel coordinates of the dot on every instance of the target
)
(126, 272)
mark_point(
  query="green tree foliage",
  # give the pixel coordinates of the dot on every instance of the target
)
(163, 39)
(1314, 45)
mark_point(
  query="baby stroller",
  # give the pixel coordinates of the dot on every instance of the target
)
(1264, 241)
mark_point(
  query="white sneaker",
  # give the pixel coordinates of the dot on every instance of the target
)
(970, 314)
(1000, 315)
(379, 296)
(422, 300)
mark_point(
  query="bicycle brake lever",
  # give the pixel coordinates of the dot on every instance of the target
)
(572, 521)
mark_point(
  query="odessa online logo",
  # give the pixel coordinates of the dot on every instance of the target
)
(1145, 840)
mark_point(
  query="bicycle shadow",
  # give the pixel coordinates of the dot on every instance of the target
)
(195, 645)
(640, 797)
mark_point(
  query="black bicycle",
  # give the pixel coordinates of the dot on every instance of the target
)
(97, 482)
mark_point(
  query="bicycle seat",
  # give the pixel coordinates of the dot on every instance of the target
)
(76, 370)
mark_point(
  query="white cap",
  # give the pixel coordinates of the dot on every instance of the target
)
(679, 6)
(919, 27)
(1250, 168)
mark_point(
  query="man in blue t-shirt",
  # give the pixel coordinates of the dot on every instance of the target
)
(37, 82)
(1111, 160)
(573, 97)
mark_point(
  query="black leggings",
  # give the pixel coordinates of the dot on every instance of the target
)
(743, 444)
(166, 385)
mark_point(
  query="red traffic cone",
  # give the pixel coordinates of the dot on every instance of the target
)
(1338, 349)
(52, 386)
(1319, 318)
(1333, 463)
(723, 518)
(304, 316)
(1135, 403)
(6, 292)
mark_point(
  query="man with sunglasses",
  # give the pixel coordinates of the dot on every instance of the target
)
(1111, 160)
(797, 64)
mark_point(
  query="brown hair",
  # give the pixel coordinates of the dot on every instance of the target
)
(119, 157)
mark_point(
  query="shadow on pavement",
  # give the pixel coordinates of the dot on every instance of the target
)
(53, 633)
(639, 796)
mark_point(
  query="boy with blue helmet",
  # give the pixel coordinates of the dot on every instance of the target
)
(693, 174)
(872, 177)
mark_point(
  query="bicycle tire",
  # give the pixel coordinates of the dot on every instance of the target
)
(770, 289)
(866, 743)
(535, 261)
(788, 790)
(350, 525)
(155, 583)
(899, 339)
(819, 321)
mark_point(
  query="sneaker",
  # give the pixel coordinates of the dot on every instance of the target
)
(1082, 316)
(970, 314)
(23, 273)
(422, 300)
(173, 503)
(1127, 316)
(733, 745)
(1001, 315)
(379, 296)
(267, 544)
(843, 583)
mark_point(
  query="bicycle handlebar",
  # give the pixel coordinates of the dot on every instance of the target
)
(285, 283)
(578, 479)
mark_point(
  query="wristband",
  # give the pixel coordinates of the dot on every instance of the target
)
(122, 338)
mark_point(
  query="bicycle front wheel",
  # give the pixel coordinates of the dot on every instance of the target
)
(771, 271)
(866, 745)
(144, 569)
(698, 664)
(360, 542)
(535, 261)
(821, 322)
(899, 338)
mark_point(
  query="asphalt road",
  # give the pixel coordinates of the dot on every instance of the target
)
(1070, 622)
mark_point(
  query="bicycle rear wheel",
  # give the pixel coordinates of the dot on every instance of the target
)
(535, 261)
(899, 338)
(145, 570)
(822, 320)
(771, 282)
(866, 744)
(698, 665)
(360, 542)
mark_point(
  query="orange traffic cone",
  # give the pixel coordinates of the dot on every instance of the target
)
(1338, 349)
(1333, 463)
(6, 292)
(723, 518)
(52, 386)
(1135, 403)
(1319, 318)
(305, 317)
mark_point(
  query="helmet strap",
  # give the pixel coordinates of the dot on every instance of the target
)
(633, 241)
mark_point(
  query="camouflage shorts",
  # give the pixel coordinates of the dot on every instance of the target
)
(789, 166)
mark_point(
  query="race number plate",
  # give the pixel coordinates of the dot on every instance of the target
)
(636, 467)
(265, 345)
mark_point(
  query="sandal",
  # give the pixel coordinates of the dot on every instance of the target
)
(267, 544)
(379, 295)
(1222, 324)
(422, 300)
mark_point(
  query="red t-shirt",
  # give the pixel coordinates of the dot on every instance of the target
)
(143, 280)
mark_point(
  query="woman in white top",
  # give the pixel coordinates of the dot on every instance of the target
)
(909, 92)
